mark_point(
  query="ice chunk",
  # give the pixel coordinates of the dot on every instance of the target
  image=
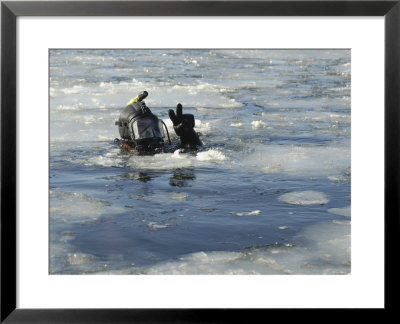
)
(309, 197)
(252, 213)
(178, 196)
(256, 124)
(80, 258)
(345, 211)
(211, 155)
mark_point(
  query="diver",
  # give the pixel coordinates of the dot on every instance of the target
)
(142, 131)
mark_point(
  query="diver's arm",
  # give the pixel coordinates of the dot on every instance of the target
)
(183, 126)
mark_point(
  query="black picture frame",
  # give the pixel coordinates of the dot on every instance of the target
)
(10, 10)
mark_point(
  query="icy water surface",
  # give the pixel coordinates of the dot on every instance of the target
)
(269, 193)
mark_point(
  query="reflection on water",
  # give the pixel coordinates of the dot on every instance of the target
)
(182, 177)
(139, 176)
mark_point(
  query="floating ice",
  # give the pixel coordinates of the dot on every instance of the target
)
(162, 161)
(309, 197)
(204, 257)
(74, 207)
(67, 236)
(80, 258)
(199, 126)
(200, 263)
(104, 161)
(211, 155)
(338, 178)
(202, 127)
(156, 226)
(340, 222)
(170, 161)
(252, 213)
(197, 94)
(319, 249)
(305, 161)
(178, 196)
(256, 124)
(345, 211)
(73, 107)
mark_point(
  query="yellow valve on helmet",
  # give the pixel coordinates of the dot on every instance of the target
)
(139, 97)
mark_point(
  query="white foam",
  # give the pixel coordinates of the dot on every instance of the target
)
(309, 197)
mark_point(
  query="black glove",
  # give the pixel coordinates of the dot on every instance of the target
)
(183, 126)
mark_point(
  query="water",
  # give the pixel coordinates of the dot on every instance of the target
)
(269, 193)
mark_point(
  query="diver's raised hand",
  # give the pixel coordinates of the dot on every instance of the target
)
(186, 120)
(176, 119)
(183, 126)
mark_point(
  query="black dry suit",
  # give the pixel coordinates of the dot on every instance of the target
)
(139, 126)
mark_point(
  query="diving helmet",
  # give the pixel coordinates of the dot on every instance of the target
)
(139, 126)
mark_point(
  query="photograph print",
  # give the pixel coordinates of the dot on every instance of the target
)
(200, 161)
